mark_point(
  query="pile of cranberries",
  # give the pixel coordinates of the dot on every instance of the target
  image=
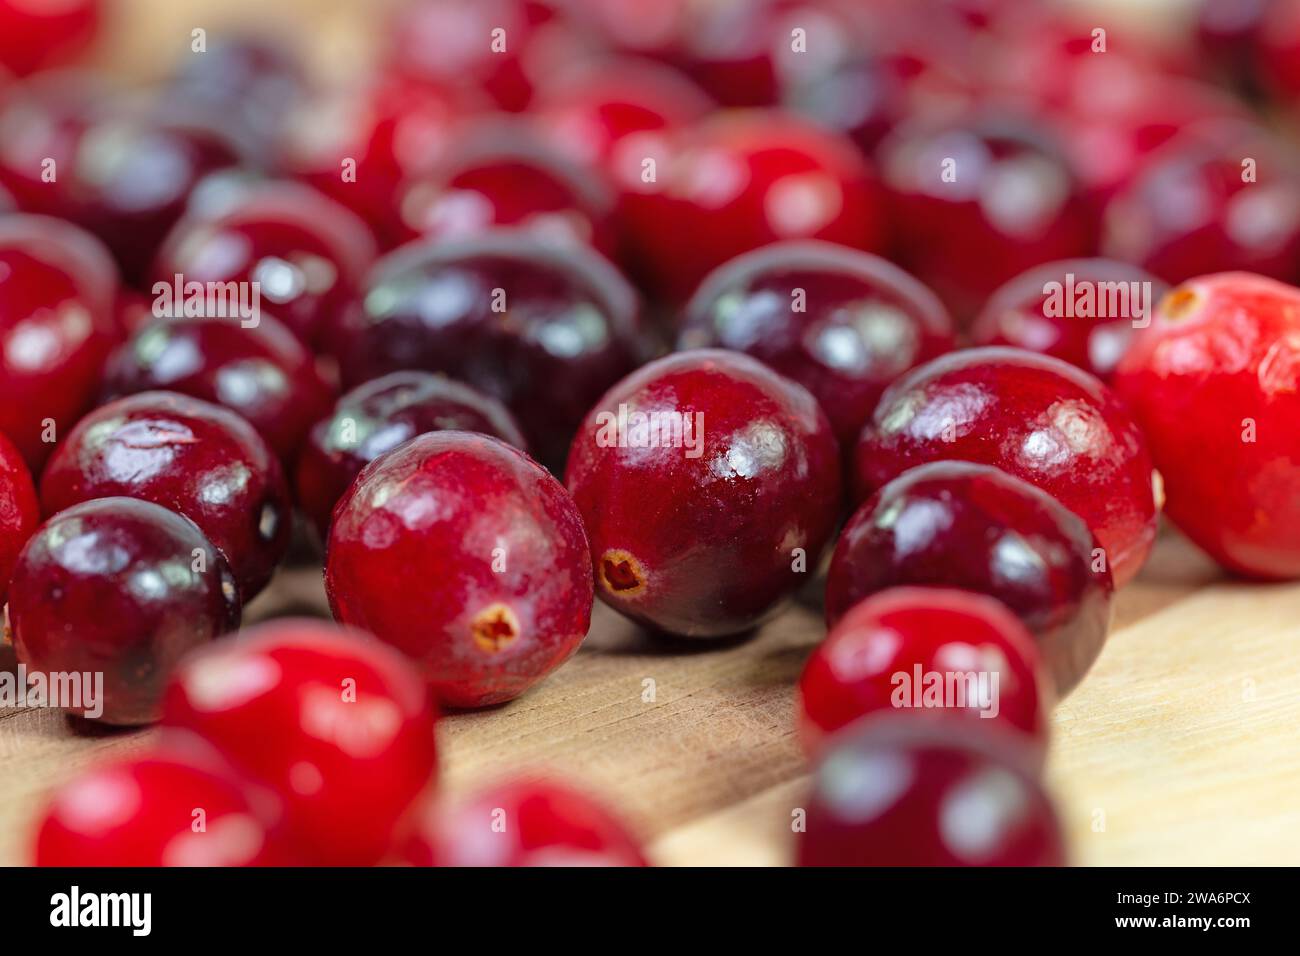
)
(930, 307)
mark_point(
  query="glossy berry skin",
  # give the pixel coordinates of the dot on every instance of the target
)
(467, 556)
(1213, 383)
(563, 327)
(546, 824)
(706, 534)
(19, 510)
(941, 793)
(1035, 417)
(35, 36)
(974, 527)
(336, 724)
(111, 585)
(198, 459)
(264, 373)
(375, 418)
(1082, 311)
(841, 323)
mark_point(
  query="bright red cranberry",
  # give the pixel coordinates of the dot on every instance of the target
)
(467, 556)
(377, 417)
(198, 459)
(708, 484)
(19, 510)
(57, 288)
(933, 649)
(841, 323)
(307, 254)
(177, 804)
(903, 790)
(739, 181)
(123, 587)
(35, 36)
(524, 823)
(976, 202)
(1083, 311)
(545, 329)
(1214, 383)
(338, 725)
(262, 372)
(974, 527)
(1035, 417)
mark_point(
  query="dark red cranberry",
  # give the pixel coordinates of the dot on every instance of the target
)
(709, 485)
(739, 181)
(1036, 418)
(841, 323)
(1228, 33)
(123, 587)
(524, 823)
(262, 372)
(1215, 385)
(467, 556)
(1083, 311)
(904, 790)
(36, 36)
(955, 524)
(198, 459)
(57, 288)
(19, 510)
(377, 417)
(307, 254)
(1278, 62)
(545, 329)
(339, 726)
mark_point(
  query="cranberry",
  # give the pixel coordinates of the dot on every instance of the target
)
(1213, 382)
(1082, 311)
(524, 823)
(263, 372)
(703, 517)
(544, 329)
(57, 287)
(339, 726)
(36, 36)
(842, 323)
(377, 417)
(123, 587)
(467, 556)
(739, 181)
(904, 790)
(19, 511)
(200, 460)
(307, 254)
(1035, 417)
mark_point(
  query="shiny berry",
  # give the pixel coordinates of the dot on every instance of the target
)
(123, 587)
(198, 459)
(377, 417)
(905, 790)
(467, 556)
(709, 485)
(35, 36)
(19, 510)
(1215, 384)
(1036, 418)
(338, 725)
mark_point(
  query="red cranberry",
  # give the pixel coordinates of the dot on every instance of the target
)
(19, 511)
(57, 287)
(35, 36)
(739, 181)
(1036, 418)
(467, 556)
(1213, 383)
(955, 524)
(943, 650)
(1082, 311)
(263, 372)
(702, 517)
(377, 417)
(544, 329)
(307, 254)
(904, 790)
(841, 323)
(123, 587)
(524, 823)
(339, 726)
(199, 459)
